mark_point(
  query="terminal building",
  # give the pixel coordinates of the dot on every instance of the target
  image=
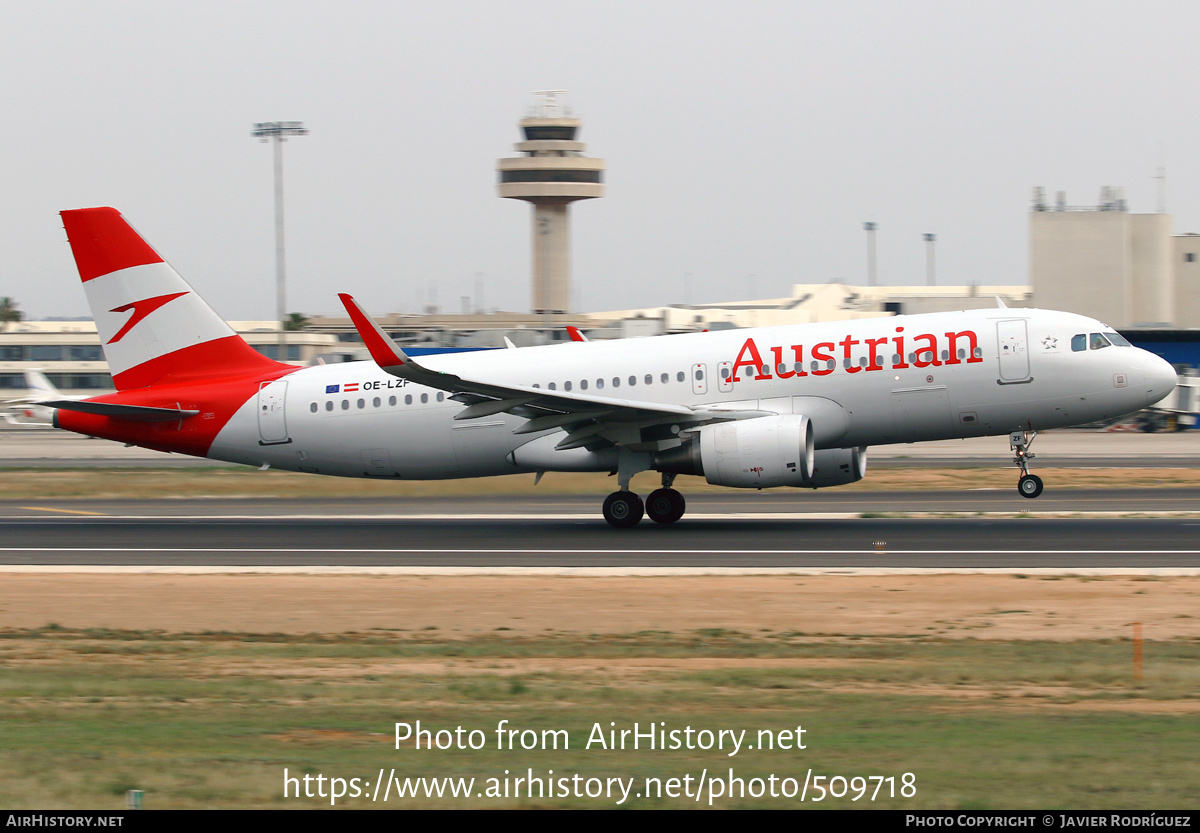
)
(1128, 270)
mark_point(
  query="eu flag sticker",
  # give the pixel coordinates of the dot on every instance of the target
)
(332, 388)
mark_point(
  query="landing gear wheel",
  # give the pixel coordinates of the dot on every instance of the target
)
(1030, 485)
(665, 506)
(623, 509)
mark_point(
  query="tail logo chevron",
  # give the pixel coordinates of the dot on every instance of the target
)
(140, 310)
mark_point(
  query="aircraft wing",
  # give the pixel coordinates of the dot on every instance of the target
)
(590, 421)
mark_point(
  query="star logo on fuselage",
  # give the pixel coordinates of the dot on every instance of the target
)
(141, 309)
(1050, 343)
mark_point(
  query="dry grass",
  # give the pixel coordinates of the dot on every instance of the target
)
(26, 484)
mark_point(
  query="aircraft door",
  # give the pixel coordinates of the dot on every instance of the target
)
(272, 424)
(700, 379)
(1012, 346)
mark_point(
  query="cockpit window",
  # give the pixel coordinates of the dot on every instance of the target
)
(1099, 342)
(1079, 343)
(1118, 339)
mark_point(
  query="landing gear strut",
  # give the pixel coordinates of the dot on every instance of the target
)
(1030, 485)
(624, 509)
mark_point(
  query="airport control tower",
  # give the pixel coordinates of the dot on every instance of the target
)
(551, 173)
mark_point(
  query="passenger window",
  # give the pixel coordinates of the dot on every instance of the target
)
(566, 385)
(313, 407)
(441, 396)
(649, 379)
(632, 381)
(424, 398)
(392, 401)
(1078, 343)
(599, 384)
(664, 378)
(583, 384)
(679, 376)
(1099, 342)
(408, 399)
(552, 386)
(616, 381)
(376, 402)
(329, 405)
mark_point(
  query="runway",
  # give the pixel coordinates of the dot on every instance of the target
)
(762, 532)
(779, 504)
(985, 529)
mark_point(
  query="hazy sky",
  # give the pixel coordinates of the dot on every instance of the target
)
(746, 142)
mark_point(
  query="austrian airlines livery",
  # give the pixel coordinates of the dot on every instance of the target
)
(778, 406)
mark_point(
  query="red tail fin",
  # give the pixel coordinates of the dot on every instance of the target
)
(154, 327)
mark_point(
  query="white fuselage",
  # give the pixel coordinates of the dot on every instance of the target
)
(863, 382)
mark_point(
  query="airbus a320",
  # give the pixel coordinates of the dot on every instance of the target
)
(755, 408)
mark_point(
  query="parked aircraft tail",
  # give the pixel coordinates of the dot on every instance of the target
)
(39, 386)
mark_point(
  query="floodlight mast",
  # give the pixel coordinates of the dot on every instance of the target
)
(930, 260)
(277, 132)
(870, 228)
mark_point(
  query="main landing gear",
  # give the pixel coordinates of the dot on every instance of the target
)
(1030, 485)
(624, 509)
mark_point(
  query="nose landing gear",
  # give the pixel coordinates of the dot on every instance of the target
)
(1030, 485)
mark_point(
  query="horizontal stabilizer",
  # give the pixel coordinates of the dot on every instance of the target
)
(135, 413)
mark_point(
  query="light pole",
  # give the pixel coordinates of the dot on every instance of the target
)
(930, 263)
(870, 228)
(277, 133)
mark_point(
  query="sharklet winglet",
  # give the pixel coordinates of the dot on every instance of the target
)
(383, 350)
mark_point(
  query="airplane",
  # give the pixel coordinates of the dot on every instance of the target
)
(30, 407)
(753, 408)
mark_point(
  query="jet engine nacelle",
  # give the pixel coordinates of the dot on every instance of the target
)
(837, 467)
(758, 453)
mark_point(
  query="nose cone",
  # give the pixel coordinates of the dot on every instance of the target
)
(1160, 377)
